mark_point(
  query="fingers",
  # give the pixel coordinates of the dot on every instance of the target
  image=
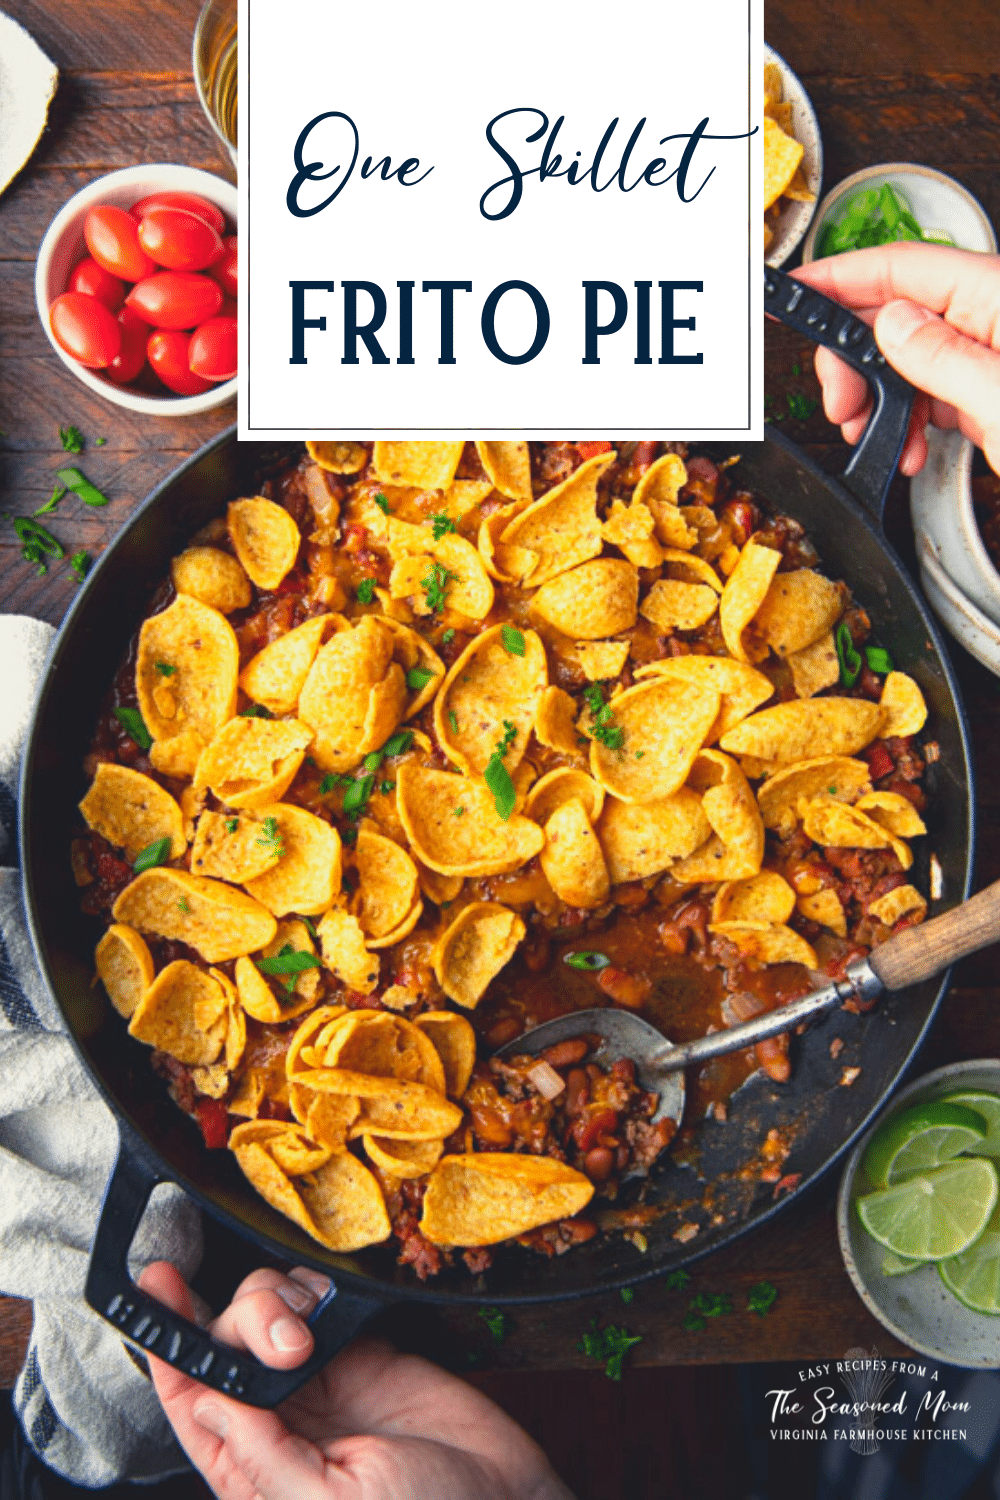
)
(256, 1455)
(960, 285)
(845, 393)
(267, 1317)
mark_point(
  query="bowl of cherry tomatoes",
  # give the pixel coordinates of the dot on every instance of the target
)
(135, 284)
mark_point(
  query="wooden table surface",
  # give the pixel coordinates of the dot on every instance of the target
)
(903, 80)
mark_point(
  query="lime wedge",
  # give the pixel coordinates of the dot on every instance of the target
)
(919, 1139)
(974, 1276)
(899, 1265)
(938, 1214)
(988, 1106)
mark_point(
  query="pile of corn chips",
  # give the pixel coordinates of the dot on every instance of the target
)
(311, 840)
(784, 179)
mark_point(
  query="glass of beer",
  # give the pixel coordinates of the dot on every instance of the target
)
(214, 58)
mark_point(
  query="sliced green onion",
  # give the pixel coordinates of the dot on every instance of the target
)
(878, 659)
(513, 640)
(399, 743)
(590, 961)
(357, 794)
(81, 485)
(134, 725)
(850, 661)
(154, 854)
(417, 678)
(497, 778)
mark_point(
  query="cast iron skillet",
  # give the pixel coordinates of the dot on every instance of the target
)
(158, 1143)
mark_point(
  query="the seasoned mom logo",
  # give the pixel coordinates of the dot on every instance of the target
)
(858, 1400)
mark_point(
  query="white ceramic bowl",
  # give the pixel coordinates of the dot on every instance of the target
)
(63, 245)
(918, 1308)
(796, 217)
(937, 201)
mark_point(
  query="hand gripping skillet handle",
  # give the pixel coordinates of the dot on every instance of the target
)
(155, 1329)
(873, 462)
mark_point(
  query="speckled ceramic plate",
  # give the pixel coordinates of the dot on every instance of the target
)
(796, 217)
(918, 1308)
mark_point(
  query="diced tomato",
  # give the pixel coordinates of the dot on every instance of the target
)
(214, 1122)
(590, 450)
(879, 760)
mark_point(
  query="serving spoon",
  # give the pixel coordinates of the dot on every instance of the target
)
(908, 958)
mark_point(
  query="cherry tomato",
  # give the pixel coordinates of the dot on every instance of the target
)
(86, 329)
(93, 281)
(189, 201)
(179, 240)
(132, 356)
(167, 351)
(112, 237)
(224, 269)
(212, 351)
(175, 299)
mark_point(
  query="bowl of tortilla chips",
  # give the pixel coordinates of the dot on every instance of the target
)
(793, 160)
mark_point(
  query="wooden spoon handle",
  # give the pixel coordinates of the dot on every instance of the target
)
(917, 953)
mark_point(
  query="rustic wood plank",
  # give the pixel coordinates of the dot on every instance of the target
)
(131, 34)
(855, 39)
(15, 1330)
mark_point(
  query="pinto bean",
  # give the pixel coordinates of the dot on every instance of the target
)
(503, 1031)
(565, 1054)
(577, 1231)
(630, 990)
(577, 1091)
(772, 1054)
(599, 1164)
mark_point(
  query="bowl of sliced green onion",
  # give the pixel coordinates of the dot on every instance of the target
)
(897, 201)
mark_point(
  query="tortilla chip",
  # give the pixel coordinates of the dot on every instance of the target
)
(639, 840)
(183, 1013)
(768, 944)
(561, 786)
(342, 943)
(441, 889)
(265, 539)
(837, 775)
(306, 878)
(665, 723)
(199, 693)
(508, 467)
(782, 154)
(403, 1158)
(688, 567)
(217, 920)
(411, 649)
(474, 842)
(672, 605)
(296, 935)
(275, 676)
(484, 1197)
(658, 490)
(125, 967)
(798, 608)
(354, 694)
(895, 904)
(765, 897)
(561, 529)
(213, 1081)
(422, 465)
(387, 884)
(825, 908)
(208, 574)
(572, 860)
(338, 458)
(903, 705)
(256, 995)
(307, 1034)
(177, 757)
(835, 824)
(811, 727)
(392, 1107)
(384, 1046)
(132, 811)
(815, 667)
(329, 1117)
(296, 1155)
(630, 528)
(601, 660)
(736, 848)
(517, 559)
(345, 1203)
(744, 593)
(589, 602)
(741, 688)
(773, 90)
(267, 1178)
(472, 951)
(455, 1043)
(232, 847)
(555, 722)
(893, 811)
(488, 689)
(468, 591)
(252, 762)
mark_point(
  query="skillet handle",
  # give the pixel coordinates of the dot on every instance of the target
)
(155, 1329)
(873, 462)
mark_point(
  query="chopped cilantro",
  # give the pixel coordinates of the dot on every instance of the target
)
(81, 485)
(51, 502)
(79, 564)
(154, 854)
(256, 711)
(796, 370)
(270, 839)
(99, 442)
(366, 591)
(182, 905)
(442, 524)
(288, 961)
(677, 1280)
(800, 407)
(610, 1344)
(761, 1298)
(513, 640)
(165, 669)
(399, 743)
(385, 787)
(417, 678)
(134, 725)
(434, 586)
(348, 835)
(706, 1305)
(448, 637)
(603, 727)
(71, 438)
(330, 780)
(507, 739)
(382, 503)
(628, 1294)
(232, 825)
(639, 754)
(496, 775)
(458, 812)
(453, 721)
(496, 1322)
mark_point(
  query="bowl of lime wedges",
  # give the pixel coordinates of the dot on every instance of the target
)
(919, 1215)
